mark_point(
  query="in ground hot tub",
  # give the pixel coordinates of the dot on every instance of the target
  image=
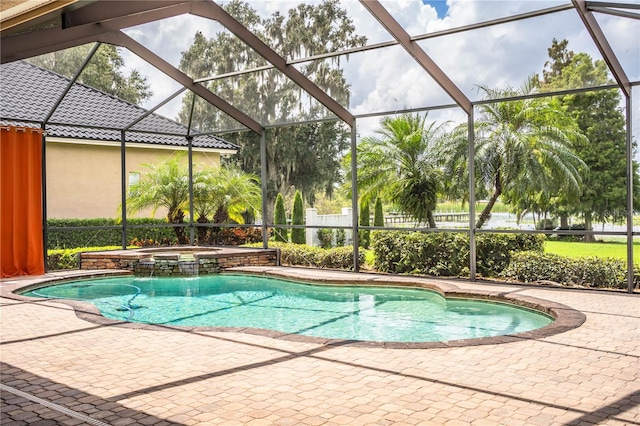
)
(179, 260)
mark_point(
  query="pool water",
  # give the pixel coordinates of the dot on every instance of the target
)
(387, 314)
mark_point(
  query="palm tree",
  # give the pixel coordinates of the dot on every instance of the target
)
(522, 147)
(400, 165)
(224, 195)
(237, 192)
(219, 194)
(164, 185)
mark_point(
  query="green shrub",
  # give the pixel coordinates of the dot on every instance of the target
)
(447, 254)
(300, 255)
(387, 248)
(494, 251)
(298, 235)
(316, 257)
(236, 236)
(585, 271)
(325, 236)
(280, 218)
(341, 237)
(339, 258)
(534, 266)
(69, 258)
(378, 217)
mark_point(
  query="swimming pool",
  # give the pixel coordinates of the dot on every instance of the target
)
(362, 313)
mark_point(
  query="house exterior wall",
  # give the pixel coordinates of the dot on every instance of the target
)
(84, 177)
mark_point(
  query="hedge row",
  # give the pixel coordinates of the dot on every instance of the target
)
(107, 237)
(152, 235)
(447, 254)
(532, 266)
(304, 255)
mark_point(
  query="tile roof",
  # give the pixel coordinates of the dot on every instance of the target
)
(30, 92)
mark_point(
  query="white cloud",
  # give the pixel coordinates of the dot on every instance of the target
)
(167, 38)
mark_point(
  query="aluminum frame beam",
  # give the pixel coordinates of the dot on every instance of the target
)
(39, 42)
(616, 5)
(157, 107)
(354, 198)
(630, 173)
(493, 22)
(391, 43)
(71, 82)
(471, 155)
(614, 12)
(399, 33)
(263, 191)
(97, 12)
(592, 26)
(123, 40)
(123, 187)
(211, 10)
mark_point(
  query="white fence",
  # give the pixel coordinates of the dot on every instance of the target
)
(327, 221)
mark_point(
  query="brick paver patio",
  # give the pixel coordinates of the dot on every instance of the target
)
(59, 369)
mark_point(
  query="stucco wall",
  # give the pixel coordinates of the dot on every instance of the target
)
(83, 179)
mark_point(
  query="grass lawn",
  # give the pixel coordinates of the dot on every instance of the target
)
(456, 207)
(600, 249)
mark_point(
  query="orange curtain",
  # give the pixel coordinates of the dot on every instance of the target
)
(22, 247)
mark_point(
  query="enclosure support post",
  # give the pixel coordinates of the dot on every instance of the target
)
(123, 188)
(354, 198)
(192, 238)
(263, 185)
(472, 197)
(629, 149)
(45, 225)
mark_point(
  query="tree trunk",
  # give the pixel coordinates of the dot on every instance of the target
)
(216, 234)
(202, 231)
(564, 221)
(588, 226)
(177, 217)
(431, 219)
(486, 213)
(267, 215)
(221, 215)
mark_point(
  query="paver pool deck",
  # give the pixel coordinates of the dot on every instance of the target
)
(59, 369)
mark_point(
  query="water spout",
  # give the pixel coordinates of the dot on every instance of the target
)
(188, 268)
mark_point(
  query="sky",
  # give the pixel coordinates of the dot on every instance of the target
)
(439, 5)
(389, 79)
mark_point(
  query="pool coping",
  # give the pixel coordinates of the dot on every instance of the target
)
(565, 317)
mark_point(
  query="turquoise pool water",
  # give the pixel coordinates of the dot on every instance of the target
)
(387, 314)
